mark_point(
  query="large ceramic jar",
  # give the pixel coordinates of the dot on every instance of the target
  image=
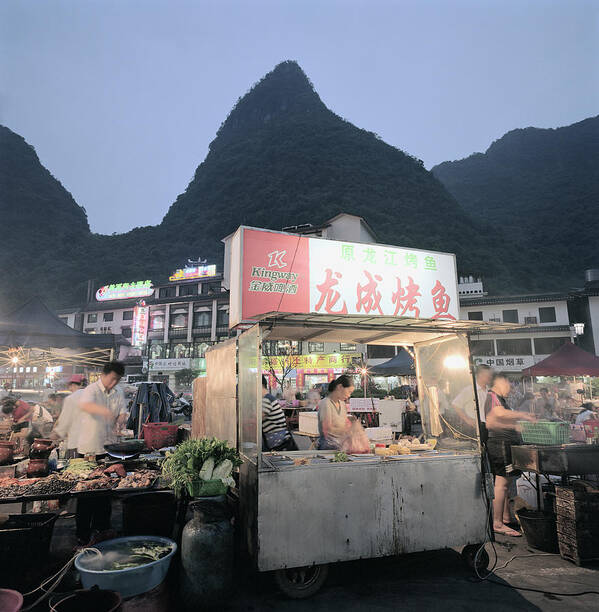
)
(7, 450)
(207, 554)
(41, 448)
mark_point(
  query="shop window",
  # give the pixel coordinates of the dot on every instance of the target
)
(178, 319)
(128, 315)
(126, 331)
(482, 348)
(274, 348)
(157, 351)
(510, 316)
(315, 347)
(90, 330)
(202, 319)
(108, 316)
(210, 288)
(188, 290)
(348, 348)
(547, 314)
(167, 292)
(222, 318)
(92, 317)
(199, 350)
(514, 346)
(380, 352)
(477, 315)
(180, 351)
(156, 320)
(546, 346)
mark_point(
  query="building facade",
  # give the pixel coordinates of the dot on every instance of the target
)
(182, 316)
(512, 351)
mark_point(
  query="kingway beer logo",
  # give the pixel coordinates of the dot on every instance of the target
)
(276, 259)
(276, 281)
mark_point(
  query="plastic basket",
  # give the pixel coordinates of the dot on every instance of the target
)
(207, 488)
(545, 432)
(159, 435)
(25, 538)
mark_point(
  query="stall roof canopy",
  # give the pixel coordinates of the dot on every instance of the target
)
(568, 360)
(400, 365)
(365, 329)
(34, 325)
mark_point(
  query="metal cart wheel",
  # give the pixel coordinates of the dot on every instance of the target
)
(301, 582)
(469, 556)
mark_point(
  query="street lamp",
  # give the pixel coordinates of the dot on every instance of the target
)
(14, 360)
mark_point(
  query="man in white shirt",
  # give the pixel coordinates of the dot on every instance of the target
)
(67, 426)
(463, 403)
(103, 410)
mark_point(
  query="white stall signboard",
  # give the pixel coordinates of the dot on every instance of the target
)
(279, 272)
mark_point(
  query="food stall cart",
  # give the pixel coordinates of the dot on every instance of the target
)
(301, 510)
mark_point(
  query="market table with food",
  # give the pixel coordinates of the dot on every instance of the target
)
(81, 476)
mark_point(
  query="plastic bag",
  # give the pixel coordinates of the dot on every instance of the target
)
(356, 441)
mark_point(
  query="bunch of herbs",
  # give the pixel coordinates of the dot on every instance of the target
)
(182, 467)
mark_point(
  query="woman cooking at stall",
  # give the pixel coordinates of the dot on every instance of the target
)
(333, 423)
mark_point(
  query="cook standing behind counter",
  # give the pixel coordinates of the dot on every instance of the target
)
(333, 423)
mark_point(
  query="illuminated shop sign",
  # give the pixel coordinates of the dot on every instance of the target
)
(139, 333)
(125, 291)
(274, 271)
(192, 273)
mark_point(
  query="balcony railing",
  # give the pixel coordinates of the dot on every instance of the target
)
(177, 332)
(204, 331)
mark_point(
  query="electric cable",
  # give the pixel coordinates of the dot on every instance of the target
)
(57, 578)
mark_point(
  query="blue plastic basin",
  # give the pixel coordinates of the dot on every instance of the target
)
(128, 582)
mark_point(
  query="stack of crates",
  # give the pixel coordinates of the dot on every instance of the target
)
(545, 432)
(577, 509)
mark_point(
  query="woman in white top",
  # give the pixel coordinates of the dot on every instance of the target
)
(333, 422)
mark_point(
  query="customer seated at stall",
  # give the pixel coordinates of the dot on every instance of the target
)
(502, 425)
(333, 422)
(411, 421)
(589, 411)
(275, 433)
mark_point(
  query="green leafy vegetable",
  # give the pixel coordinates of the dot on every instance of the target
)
(340, 457)
(185, 464)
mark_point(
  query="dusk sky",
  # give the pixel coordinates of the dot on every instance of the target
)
(120, 98)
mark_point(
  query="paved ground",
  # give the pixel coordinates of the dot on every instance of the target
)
(439, 581)
(419, 582)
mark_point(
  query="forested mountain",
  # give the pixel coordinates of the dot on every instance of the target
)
(541, 187)
(43, 232)
(282, 158)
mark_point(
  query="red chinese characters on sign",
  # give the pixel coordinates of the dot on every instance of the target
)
(405, 299)
(369, 297)
(441, 302)
(330, 296)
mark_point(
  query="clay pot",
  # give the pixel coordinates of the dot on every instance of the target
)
(7, 450)
(41, 448)
(37, 467)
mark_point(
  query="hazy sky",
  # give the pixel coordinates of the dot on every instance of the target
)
(121, 98)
